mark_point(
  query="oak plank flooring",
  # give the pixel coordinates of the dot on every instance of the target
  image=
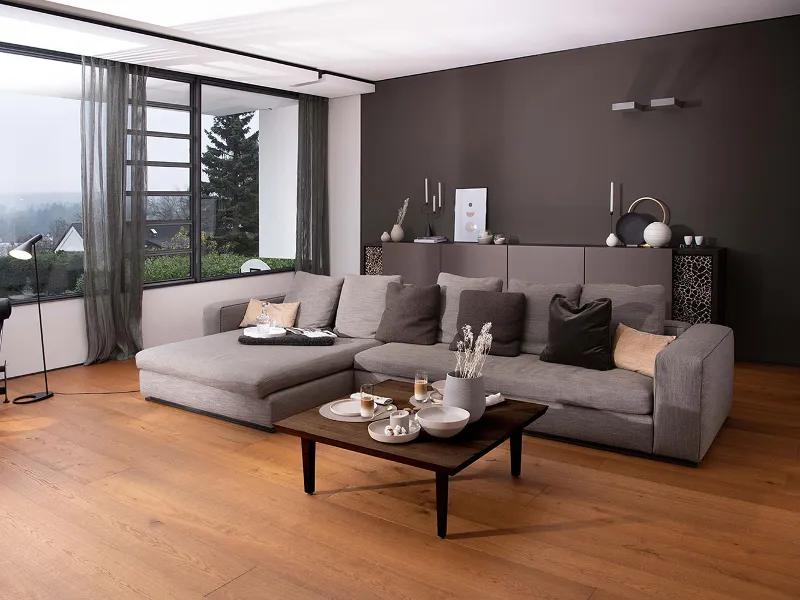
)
(109, 496)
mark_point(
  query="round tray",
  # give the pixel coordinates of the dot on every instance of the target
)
(274, 332)
(376, 433)
(381, 412)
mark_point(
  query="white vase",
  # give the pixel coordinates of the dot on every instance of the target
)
(468, 394)
(657, 234)
(612, 240)
(386, 237)
(397, 233)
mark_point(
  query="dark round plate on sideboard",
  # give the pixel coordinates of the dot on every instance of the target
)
(630, 228)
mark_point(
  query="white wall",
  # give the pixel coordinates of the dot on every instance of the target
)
(344, 184)
(277, 181)
(169, 314)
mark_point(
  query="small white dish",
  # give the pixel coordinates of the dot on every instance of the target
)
(274, 332)
(346, 408)
(439, 385)
(443, 421)
(376, 432)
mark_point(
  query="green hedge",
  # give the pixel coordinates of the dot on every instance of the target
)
(162, 268)
(61, 273)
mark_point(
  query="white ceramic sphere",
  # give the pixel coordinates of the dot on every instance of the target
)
(657, 234)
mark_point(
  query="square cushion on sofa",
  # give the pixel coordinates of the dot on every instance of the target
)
(362, 303)
(643, 307)
(318, 296)
(579, 335)
(452, 286)
(411, 315)
(521, 377)
(537, 300)
(504, 310)
(220, 361)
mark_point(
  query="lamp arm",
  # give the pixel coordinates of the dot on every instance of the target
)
(39, 307)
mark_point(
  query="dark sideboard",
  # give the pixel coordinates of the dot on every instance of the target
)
(693, 277)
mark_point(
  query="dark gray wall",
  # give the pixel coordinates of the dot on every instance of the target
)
(540, 134)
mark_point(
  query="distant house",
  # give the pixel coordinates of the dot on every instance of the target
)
(156, 237)
(72, 240)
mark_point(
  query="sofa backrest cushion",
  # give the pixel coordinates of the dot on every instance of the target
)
(537, 301)
(452, 286)
(643, 307)
(504, 310)
(411, 315)
(361, 304)
(318, 296)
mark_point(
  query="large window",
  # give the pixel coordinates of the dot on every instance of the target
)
(249, 182)
(221, 177)
(40, 177)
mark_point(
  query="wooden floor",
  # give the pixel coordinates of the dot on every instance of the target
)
(111, 497)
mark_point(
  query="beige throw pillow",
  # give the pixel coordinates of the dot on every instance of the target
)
(636, 350)
(283, 314)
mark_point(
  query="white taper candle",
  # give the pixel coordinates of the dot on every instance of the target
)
(611, 200)
(440, 194)
(426, 190)
(434, 203)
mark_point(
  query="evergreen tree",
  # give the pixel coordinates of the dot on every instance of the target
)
(231, 165)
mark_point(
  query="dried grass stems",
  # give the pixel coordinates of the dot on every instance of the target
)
(471, 354)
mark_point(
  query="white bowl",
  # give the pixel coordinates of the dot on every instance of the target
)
(485, 240)
(376, 432)
(443, 421)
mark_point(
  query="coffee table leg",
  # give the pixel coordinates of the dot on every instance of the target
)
(516, 453)
(442, 481)
(309, 461)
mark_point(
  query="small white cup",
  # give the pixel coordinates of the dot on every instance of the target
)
(698, 240)
(687, 239)
(399, 417)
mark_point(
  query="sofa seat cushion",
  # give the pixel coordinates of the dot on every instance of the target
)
(524, 377)
(221, 362)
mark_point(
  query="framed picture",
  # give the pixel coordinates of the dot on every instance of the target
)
(470, 213)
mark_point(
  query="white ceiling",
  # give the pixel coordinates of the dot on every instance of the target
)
(381, 39)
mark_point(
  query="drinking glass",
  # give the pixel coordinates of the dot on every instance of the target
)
(421, 385)
(367, 396)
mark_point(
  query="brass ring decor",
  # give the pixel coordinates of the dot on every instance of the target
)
(665, 220)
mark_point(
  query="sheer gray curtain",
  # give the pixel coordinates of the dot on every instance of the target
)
(113, 101)
(313, 252)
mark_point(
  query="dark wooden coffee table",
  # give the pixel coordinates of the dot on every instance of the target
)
(445, 457)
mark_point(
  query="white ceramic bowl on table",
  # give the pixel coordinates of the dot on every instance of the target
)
(443, 421)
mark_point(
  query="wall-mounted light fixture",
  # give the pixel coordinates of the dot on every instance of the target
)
(627, 107)
(664, 103)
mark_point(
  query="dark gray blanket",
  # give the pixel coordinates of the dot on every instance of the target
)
(290, 339)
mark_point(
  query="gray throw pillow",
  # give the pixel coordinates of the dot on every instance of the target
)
(318, 296)
(643, 307)
(411, 315)
(537, 312)
(361, 304)
(452, 286)
(504, 310)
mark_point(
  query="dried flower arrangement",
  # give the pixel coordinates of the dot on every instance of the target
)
(471, 353)
(401, 214)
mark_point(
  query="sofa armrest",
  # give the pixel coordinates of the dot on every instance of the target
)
(227, 314)
(675, 328)
(693, 390)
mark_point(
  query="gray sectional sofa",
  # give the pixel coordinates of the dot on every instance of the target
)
(675, 415)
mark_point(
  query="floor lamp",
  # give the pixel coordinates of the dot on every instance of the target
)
(25, 251)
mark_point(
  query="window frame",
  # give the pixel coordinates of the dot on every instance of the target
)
(194, 165)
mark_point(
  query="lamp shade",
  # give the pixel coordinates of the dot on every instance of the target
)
(25, 249)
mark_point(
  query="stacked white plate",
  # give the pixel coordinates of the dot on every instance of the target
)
(274, 332)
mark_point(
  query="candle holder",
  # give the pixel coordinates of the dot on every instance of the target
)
(432, 208)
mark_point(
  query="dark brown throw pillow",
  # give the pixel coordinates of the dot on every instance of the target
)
(506, 312)
(579, 335)
(411, 315)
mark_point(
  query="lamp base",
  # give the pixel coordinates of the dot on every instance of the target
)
(31, 398)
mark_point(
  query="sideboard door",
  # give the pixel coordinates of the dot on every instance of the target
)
(419, 264)
(631, 266)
